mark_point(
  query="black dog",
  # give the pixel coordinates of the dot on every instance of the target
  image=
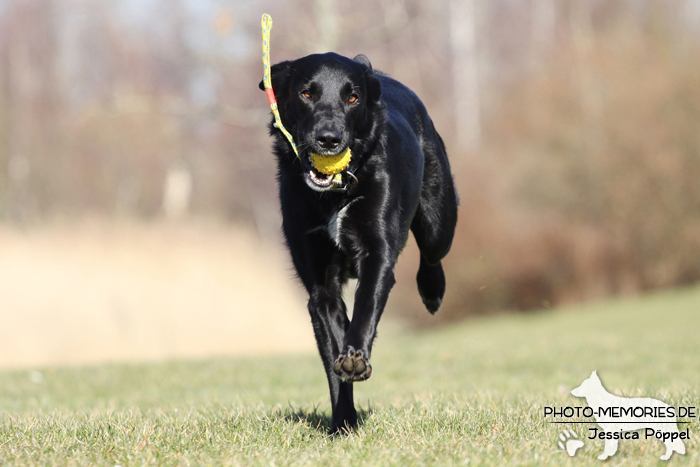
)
(398, 179)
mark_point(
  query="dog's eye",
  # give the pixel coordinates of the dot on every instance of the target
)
(353, 99)
(306, 93)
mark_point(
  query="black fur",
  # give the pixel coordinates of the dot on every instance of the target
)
(328, 103)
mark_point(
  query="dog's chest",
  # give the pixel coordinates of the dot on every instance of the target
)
(335, 223)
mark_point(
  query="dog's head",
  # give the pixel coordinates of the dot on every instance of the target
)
(590, 386)
(328, 103)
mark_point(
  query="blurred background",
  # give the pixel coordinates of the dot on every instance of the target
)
(138, 209)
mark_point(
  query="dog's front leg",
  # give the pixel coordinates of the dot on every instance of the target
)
(375, 280)
(329, 319)
(609, 450)
(323, 273)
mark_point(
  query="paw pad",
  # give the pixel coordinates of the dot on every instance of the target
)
(352, 365)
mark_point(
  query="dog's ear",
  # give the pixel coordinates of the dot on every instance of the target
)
(361, 58)
(374, 88)
(280, 74)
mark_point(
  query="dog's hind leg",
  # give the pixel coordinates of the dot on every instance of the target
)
(676, 445)
(434, 223)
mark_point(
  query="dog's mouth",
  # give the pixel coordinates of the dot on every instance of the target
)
(317, 179)
(321, 170)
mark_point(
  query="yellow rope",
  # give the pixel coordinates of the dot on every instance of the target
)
(330, 165)
(266, 24)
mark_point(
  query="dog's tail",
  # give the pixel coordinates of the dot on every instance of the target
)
(431, 284)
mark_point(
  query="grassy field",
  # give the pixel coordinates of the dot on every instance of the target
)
(99, 290)
(468, 394)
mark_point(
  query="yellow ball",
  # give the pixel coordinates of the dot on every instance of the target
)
(331, 165)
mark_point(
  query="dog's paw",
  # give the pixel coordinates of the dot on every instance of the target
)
(352, 365)
(569, 442)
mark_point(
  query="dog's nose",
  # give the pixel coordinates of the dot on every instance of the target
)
(328, 139)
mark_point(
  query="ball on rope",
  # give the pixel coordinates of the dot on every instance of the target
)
(331, 165)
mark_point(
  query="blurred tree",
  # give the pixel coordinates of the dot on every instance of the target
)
(585, 112)
(465, 75)
(32, 107)
(544, 17)
(327, 24)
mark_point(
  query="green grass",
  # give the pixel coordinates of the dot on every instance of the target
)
(467, 394)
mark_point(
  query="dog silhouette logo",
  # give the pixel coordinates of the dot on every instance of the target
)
(623, 417)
